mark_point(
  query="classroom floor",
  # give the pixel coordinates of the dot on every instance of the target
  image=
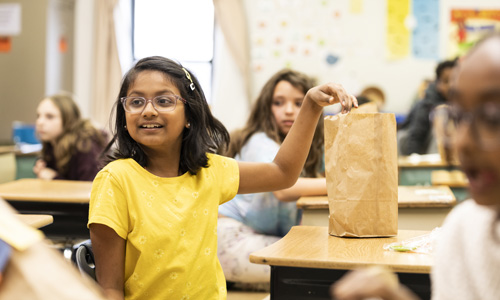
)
(239, 295)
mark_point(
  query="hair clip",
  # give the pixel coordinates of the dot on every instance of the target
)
(189, 77)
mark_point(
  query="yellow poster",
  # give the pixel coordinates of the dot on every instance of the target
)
(398, 35)
(469, 26)
(356, 6)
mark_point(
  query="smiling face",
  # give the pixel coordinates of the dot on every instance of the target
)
(476, 84)
(152, 129)
(49, 122)
(285, 105)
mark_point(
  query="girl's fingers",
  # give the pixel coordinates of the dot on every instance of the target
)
(355, 101)
(346, 103)
(332, 93)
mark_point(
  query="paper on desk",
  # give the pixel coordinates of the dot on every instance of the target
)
(362, 174)
(419, 244)
(14, 232)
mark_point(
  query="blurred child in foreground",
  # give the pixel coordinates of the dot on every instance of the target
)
(467, 256)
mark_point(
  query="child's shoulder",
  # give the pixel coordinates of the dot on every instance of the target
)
(120, 166)
(469, 214)
(261, 140)
(260, 136)
(221, 162)
(218, 159)
(466, 207)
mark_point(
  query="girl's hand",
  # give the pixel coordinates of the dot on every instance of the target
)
(331, 93)
(41, 171)
(47, 174)
(39, 166)
(373, 282)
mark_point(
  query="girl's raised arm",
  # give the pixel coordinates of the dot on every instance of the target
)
(284, 171)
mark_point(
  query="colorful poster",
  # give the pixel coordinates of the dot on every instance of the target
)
(469, 26)
(398, 36)
(425, 39)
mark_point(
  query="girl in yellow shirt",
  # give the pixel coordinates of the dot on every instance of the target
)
(153, 208)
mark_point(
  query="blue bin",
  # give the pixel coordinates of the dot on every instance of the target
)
(24, 134)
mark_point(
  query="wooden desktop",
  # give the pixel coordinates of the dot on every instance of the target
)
(420, 207)
(67, 201)
(36, 221)
(306, 261)
(418, 170)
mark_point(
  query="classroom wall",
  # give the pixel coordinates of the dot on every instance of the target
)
(23, 70)
(303, 34)
(40, 61)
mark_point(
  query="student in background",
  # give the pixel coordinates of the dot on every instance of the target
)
(153, 208)
(467, 255)
(253, 221)
(71, 146)
(418, 125)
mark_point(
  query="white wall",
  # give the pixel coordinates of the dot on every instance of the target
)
(366, 65)
(84, 50)
(229, 100)
(360, 44)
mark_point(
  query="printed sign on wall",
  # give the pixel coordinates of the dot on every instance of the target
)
(469, 26)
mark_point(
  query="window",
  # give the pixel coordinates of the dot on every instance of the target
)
(180, 30)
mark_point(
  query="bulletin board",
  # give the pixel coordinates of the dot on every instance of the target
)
(390, 44)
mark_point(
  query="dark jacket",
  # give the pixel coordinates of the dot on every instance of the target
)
(82, 166)
(419, 124)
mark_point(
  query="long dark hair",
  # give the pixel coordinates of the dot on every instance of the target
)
(206, 133)
(261, 119)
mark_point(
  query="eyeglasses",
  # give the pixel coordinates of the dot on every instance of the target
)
(162, 103)
(484, 124)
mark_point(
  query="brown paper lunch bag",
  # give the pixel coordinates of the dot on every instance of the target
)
(362, 174)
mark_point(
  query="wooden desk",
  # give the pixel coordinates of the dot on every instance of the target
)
(7, 149)
(455, 179)
(422, 161)
(36, 221)
(416, 169)
(420, 208)
(67, 201)
(24, 160)
(306, 261)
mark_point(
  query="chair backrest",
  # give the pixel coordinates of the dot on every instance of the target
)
(84, 259)
(9, 168)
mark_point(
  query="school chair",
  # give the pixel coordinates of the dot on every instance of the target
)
(83, 257)
(9, 169)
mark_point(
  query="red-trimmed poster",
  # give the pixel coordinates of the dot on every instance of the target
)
(468, 26)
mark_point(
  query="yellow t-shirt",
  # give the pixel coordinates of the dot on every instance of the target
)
(169, 224)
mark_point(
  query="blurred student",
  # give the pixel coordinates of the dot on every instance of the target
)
(418, 124)
(252, 221)
(467, 256)
(71, 146)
